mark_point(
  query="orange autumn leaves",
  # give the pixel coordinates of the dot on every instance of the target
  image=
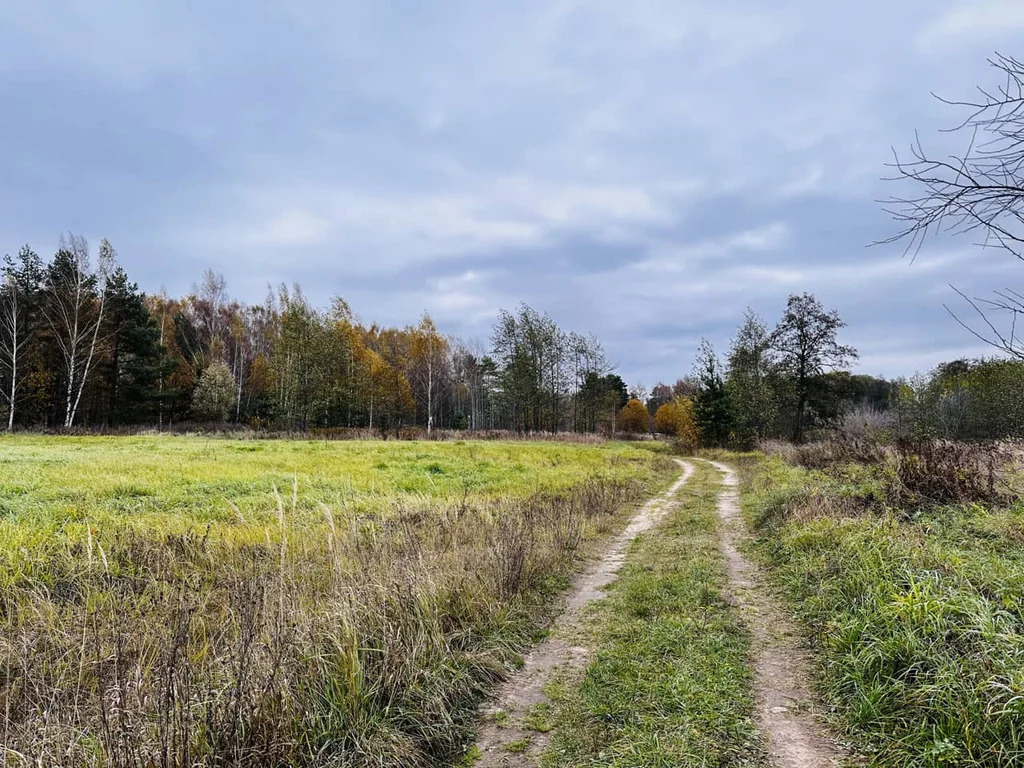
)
(674, 419)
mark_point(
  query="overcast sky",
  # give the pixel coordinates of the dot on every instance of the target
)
(644, 170)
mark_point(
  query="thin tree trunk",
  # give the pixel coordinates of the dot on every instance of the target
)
(70, 357)
(88, 359)
(160, 403)
(798, 432)
(14, 358)
(430, 389)
(240, 364)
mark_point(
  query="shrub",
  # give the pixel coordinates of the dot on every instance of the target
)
(633, 418)
(867, 422)
(676, 419)
(913, 472)
(214, 393)
(941, 471)
(842, 449)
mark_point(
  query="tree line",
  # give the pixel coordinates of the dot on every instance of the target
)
(776, 382)
(82, 346)
(788, 381)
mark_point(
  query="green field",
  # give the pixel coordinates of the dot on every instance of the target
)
(173, 600)
(58, 485)
(192, 479)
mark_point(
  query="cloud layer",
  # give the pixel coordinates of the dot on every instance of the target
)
(643, 171)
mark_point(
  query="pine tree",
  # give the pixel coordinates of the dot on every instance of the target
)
(712, 405)
(135, 361)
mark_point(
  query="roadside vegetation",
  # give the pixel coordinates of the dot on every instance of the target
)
(191, 602)
(670, 682)
(904, 562)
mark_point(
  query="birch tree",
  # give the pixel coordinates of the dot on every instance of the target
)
(75, 297)
(19, 285)
(12, 340)
(430, 366)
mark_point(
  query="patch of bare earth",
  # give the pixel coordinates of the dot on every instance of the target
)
(506, 740)
(785, 704)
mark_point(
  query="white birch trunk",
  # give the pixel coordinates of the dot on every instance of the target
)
(14, 358)
(12, 325)
(430, 388)
(89, 357)
(160, 407)
(71, 353)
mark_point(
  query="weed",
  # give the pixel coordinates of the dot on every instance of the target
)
(518, 746)
(539, 718)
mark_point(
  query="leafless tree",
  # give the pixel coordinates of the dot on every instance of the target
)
(978, 192)
(212, 295)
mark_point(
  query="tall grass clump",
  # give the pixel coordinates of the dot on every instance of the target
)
(324, 638)
(909, 577)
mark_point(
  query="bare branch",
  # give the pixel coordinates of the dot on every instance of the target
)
(980, 192)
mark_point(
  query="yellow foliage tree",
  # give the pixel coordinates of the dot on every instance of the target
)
(676, 418)
(633, 417)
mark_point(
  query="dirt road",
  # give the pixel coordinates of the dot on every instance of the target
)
(505, 741)
(785, 705)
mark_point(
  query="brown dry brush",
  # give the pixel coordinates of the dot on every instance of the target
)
(944, 471)
(331, 643)
(916, 472)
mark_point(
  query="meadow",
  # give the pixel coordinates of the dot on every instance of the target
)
(173, 601)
